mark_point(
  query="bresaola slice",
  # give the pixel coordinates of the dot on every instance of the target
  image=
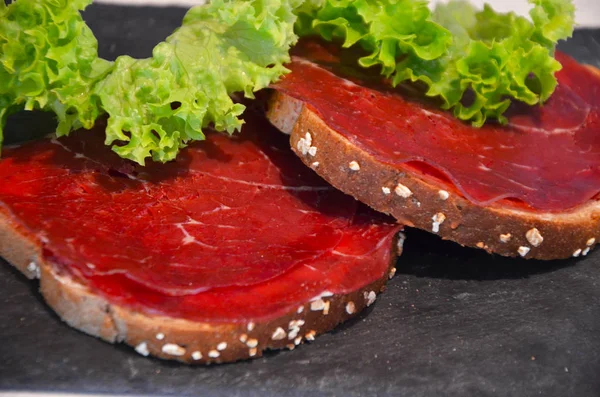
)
(528, 189)
(233, 248)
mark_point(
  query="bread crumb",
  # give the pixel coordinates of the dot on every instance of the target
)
(350, 308)
(354, 166)
(173, 349)
(577, 253)
(279, 334)
(523, 251)
(142, 349)
(437, 219)
(534, 237)
(403, 191)
(590, 242)
(34, 269)
(196, 355)
(505, 238)
(386, 190)
(480, 245)
(310, 335)
(222, 346)
(443, 195)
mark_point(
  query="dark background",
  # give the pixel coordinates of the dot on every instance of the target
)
(453, 322)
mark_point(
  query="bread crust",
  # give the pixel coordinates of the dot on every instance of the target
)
(427, 205)
(191, 342)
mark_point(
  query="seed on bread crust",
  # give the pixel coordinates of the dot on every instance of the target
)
(142, 349)
(523, 251)
(444, 195)
(590, 242)
(403, 191)
(386, 190)
(173, 349)
(505, 238)
(534, 237)
(354, 166)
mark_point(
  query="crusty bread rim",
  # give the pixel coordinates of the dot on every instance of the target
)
(173, 338)
(416, 202)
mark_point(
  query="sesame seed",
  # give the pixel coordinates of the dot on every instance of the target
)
(590, 242)
(310, 335)
(160, 336)
(252, 343)
(312, 151)
(534, 237)
(402, 191)
(279, 334)
(370, 297)
(354, 166)
(250, 326)
(443, 195)
(173, 349)
(300, 309)
(243, 338)
(326, 308)
(437, 219)
(585, 251)
(213, 354)
(142, 349)
(317, 305)
(298, 340)
(196, 355)
(523, 251)
(386, 190)
(577, 253)
(252, 352)
(350, 308)
(315, 164)
(222, 346)
(505, 238)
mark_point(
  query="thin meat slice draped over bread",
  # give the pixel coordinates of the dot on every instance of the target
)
(341, 124)
(231, 250)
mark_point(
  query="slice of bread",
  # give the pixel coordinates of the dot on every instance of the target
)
(173, 338)
(421, 202)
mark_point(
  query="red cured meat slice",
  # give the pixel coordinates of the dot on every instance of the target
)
(233, 226)
(547, 157)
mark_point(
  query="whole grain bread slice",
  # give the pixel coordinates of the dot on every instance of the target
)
(422, 203)
(178, 339)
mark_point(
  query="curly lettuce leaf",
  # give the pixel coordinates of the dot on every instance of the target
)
(157, 105)
(476, 62)
(49, 61)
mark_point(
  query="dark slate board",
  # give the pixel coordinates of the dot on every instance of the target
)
(453, 322)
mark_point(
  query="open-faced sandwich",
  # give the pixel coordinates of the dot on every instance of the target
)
(156, 217)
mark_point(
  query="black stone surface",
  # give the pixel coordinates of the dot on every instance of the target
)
(453, 322)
